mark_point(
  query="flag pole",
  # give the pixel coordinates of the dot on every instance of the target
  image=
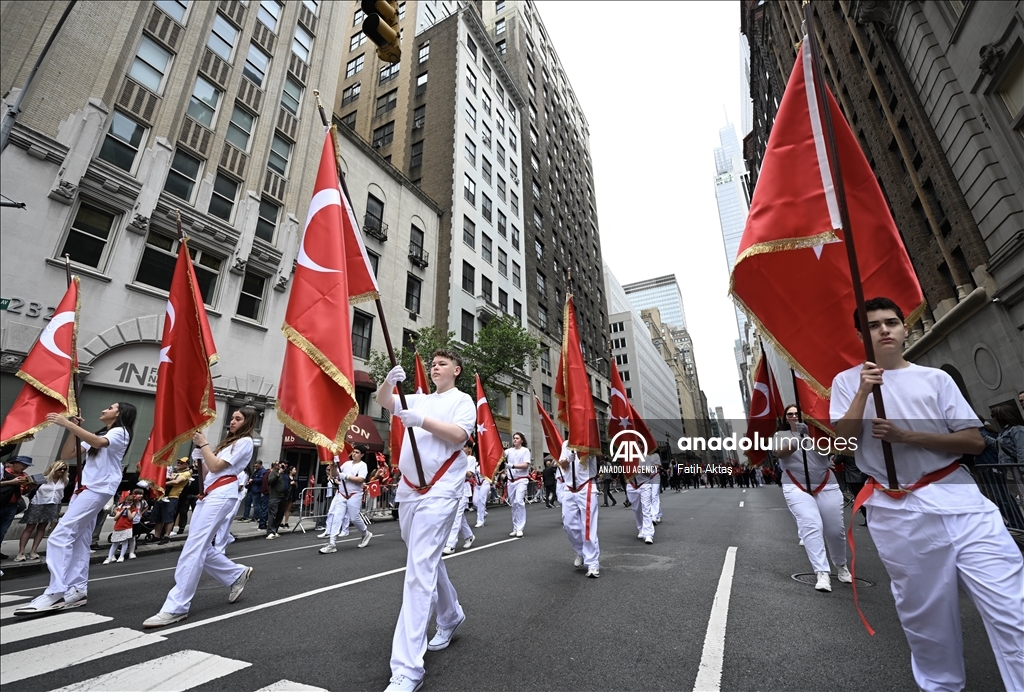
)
(800, 415)
(75, 384)
(380, 307)
(844, 215)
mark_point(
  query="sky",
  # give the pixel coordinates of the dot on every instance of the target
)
(655, 99)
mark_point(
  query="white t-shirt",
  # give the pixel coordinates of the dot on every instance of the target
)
(652, 462)
(472, 467)
(452, 406)
(517, 456)
(102, 473)
(580, 470)
(924, 400)
(351, 468)
(817, 464)
(237, 456)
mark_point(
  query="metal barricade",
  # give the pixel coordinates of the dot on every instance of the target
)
(1004, 486)
(313, 505)
(380, 507)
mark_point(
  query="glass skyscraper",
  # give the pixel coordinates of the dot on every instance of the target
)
(662, 293)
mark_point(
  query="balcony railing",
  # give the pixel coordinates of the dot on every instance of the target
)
(375, 227)
(418, 256)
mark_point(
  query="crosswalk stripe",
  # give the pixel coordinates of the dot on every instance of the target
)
(16, 632)
(11, 598)
(32, 662)
(176, 672)
(8, 612)
(289, 686)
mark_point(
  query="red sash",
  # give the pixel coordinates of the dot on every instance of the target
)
(580, 487)
(223, 480)
(816, 490)
(79, 489)
(437, 476)
(870, 486)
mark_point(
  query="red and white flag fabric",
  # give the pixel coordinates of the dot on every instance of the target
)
(316, 396)
(814, 409)
(792, 276)
(422, 381)
(489, 451)
(552, 438)
(623, 415)
(48, 372)
(396, 437)
(572, 389)
(184, 385)
(766, 409)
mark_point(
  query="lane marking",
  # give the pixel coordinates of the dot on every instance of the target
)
(744, 490)
(316, 592)
(709, 675)
(9, 598)
(741, 504)
(289, 686)
(50, 625)
(177, 672)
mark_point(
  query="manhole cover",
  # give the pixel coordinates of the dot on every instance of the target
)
(810, 578)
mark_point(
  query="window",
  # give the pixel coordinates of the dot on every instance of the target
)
(542, 317)
(419, 117)
(536, 193)
(412, 294)
(538, 246)
(486, 287)
(349, 120)
(240, 128)
(280, 152)
(374, 260)
(225, 192)
(485, 248)
(150, 65)
(184, 173)
(266, 224)
(202, 107)
(501, 46)
(545, 360)
(350, 94)
(358, 39)
(485, 207)
(512, 141)
(424, 53)
(470, 115)
(467, 327)
(503, 300)
(222, 37)
(622, 358)
(502, 262)
(384, 134)
(362, 332)
(471, 80)
(312, 5)
(502, 220)
(499, 27)
(385, 103)
(515, 238)
(485, 169)
(88, 236)
(469, 190)
(291, 96)
(250, 300)
(468, 232)
(499, 7)
(354, 65)
(256, 64)
(625, 375)
(358, 17)
(269, 13)
(302, 43)
(174, 8)
(499, 122)
(485, 103)
(401, 11)
(121, 146)
(374, 212)
(629, 393)
(501, 188)
(471, 46)
(157, 266)
(421, 84)
(517, 311)
(500, 151)
(516, 275)
(541, 283)
(513, 203)
(470, 151)
(468, 277)
(416, 159)
(388, 72)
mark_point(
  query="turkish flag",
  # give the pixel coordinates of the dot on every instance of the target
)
(489, 450)
(362, 282)
(572, 388)
(624, 417)
(396, 437)
(792, 276)
(766, 409)
(48, 373)
(422, 381)
(814, 409)
(316, 396)
(552, 437)
(184, 385)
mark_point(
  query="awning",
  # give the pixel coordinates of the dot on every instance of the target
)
(362, 432)
(364, 381)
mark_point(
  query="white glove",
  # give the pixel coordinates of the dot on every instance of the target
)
(396, 375)
(410, 419)
(802, 429)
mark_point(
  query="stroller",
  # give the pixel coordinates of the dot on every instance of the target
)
(145, 525)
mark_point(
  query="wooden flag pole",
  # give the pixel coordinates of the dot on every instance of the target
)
(800, 415)
(844, 215)
(380, 306)
(75, 384)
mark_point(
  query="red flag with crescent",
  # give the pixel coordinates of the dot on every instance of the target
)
(489, 450)
(766, 409)
(624, 417)
(552, 438)
(422, 381)
(572, 388)
(48, 373)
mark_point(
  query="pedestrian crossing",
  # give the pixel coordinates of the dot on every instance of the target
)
(176, 672)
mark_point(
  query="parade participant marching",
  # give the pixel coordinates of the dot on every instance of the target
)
(338, 506)
(220, 468)
(817, 508)
(640, 490)
(579, 508)
(518, 469)
(937, 532)
(656, 492)
(460, 527)
(443, 422)
(349, 496)
(67, 548)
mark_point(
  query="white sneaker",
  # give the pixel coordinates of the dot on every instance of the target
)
(108, 561)
(469, 542)
(120, 558)
(513, 534)
(328, 549)
(519, 534)
(271, 536)
(42, 604)
(649, 540)
(824, 582)
(640, 536)
(478, 525)
(163, 619)
(366, 540)
(239, 584)
(400, 683)
(74, 598)
(322, 535)
(132, 556)
(578, 562)
(844, 575)
(448, 550)
(593, 573)
(174, 532)
(443, 637)
(801, 541)
(343, 533)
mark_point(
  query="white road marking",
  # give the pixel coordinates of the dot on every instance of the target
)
(289, 686)
(741, 504)
(709, 675)
(316, 592)
(744, 491)
(40, 627)
(8, 612)
(174, 673)
(11, 598)
(70, 652)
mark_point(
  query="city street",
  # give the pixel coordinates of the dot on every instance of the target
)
(311, 621)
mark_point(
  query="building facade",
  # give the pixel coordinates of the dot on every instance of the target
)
(661, 292)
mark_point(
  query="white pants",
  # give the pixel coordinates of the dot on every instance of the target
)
(67, 548)
(517, 498)
(460, 527)
(641, 503)
(656, 498)
(198, 555)
(819, 522)
(480, 495)
(579, 518)
(335, 513)
(349, 512)
(425, 524)
(927, 556)
(224, 537)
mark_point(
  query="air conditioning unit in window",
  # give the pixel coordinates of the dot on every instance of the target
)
(515, 180)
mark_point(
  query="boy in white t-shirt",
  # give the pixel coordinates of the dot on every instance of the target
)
(939, 531)
(443, 422)
(349, 479)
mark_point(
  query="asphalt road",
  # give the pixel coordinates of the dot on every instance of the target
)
(533, 621)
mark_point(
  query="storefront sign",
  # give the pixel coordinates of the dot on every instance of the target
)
(131, 367)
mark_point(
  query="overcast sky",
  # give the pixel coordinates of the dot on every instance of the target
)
(655, 97)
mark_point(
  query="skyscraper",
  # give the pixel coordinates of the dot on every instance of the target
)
(661, 292)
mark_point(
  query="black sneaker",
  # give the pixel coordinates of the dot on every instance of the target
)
(4, 557)
(164, 541)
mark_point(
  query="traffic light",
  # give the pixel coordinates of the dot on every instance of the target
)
(381, 27)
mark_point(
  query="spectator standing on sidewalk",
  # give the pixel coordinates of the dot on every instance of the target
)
(550, 481)
(251, 502)
(43, 509)
(15, 482)
(187, 498)
(167, 510)
(277, 483)
(293, 495)
(262, 517)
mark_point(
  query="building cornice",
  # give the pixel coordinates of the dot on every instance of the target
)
(37, 144)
